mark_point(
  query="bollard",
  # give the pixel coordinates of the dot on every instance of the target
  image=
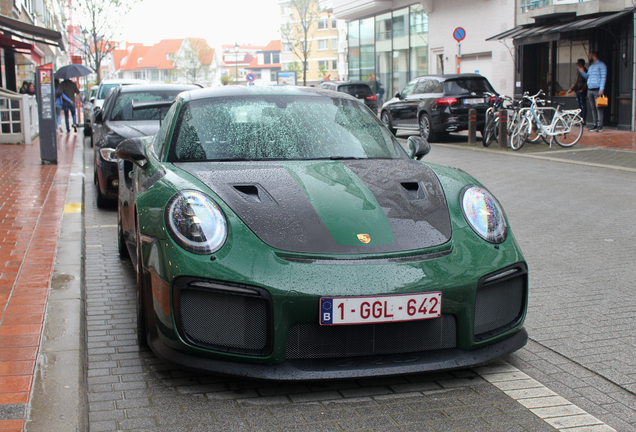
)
(503, 128)
(472, 127)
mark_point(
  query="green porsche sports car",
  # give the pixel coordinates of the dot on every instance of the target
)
(283, 233)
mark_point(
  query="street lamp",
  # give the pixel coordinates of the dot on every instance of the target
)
(236, 49)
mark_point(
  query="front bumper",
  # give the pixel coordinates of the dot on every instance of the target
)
(357, 367)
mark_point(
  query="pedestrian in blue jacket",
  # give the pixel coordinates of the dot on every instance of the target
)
(596, 76)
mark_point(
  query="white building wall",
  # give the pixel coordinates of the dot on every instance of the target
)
(481, 19)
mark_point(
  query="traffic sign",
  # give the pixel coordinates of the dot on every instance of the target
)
(250, 77)
(459, 34)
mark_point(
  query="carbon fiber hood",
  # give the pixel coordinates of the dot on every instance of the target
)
(333, 207)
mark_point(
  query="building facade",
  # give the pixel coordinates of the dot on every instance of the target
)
(392, 42)
(552, 35)
(326, 40)
(31, 34)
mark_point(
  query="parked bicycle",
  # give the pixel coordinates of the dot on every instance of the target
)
(565, 127)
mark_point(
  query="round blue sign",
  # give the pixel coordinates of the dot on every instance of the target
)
(250, 77)
(459, 34)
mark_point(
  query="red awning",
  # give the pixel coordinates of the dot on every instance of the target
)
(14, 45)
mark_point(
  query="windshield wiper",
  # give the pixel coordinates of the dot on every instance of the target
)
(345, 157)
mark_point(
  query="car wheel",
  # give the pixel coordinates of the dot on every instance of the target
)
(101, 199)
(121, 243)
(142, 327)
(426, 128)
(386, 119)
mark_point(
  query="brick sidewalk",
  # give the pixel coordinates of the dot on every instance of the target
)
(609, 138)
(32, 198)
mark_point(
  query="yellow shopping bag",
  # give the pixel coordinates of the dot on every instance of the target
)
(601, 101)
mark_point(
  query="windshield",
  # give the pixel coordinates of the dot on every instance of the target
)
(467, 86)
(103, 90)
(123, 105)
(279, 128)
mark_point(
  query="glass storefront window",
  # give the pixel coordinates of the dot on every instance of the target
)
(419, 41)
(367, 50)
(353, 36)
(390, 48)
(568, 52)
(383, 54)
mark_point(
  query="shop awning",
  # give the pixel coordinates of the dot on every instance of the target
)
(30, 32)
(546, 32)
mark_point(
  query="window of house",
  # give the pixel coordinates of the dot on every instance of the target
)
(170, 56)
(334, 23)
(137, 75)
(267, 58)
(322, 24)
(334, 64)
(323, 65)
(287, 48)
(273, 76)
(242, 72)
(257, 74)
(323, 44)
(275, 58)
(334, 44)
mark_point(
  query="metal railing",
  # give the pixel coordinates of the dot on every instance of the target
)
(18, 118)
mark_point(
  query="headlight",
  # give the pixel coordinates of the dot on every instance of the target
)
(108, 154)
(195, 222)
(484, 215)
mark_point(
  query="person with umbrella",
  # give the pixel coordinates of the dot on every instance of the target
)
(69, 89)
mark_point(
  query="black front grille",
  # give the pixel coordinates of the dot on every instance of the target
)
(311, 340)
(500, 303)
(225, 321)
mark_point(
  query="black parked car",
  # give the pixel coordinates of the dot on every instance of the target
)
(438, 104)
(359, 90)
(128, 112)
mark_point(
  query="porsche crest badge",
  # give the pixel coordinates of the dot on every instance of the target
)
(364, 238)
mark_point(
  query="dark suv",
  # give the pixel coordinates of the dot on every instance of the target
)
(438, 104)
(359, 90)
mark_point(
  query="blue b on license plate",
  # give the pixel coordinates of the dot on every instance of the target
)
(380, 309)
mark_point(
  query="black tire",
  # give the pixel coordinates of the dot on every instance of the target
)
(386, 119)
(520, 134)
(142, 324)
(121, 243)
(488, 133)
(101, 200)
(572, 137)
(426, 128)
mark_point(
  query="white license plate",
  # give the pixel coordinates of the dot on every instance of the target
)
(474, 101)
(367, 310)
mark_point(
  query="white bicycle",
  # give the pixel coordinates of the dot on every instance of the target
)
(566, 127)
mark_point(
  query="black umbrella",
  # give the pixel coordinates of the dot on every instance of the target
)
(72, 71)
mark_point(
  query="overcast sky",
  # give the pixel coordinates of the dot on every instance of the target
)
(219, 22)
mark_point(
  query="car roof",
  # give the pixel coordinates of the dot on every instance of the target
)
(156, 87)
(124, 81)
(346, 82)
(282, 90)
(450, 76)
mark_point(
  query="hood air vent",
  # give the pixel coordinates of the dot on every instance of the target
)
(413, 190)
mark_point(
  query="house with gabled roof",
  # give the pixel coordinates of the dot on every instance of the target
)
(129, 64)
(266, 64)
(157, 65)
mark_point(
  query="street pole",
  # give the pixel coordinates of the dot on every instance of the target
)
(236, 49)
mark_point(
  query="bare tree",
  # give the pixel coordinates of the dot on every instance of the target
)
(300, 31)
(192, 60)
(100, 29)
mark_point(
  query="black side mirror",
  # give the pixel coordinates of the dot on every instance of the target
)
(418, 147)
(398, 95)
(132, 150)
(99, 116)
